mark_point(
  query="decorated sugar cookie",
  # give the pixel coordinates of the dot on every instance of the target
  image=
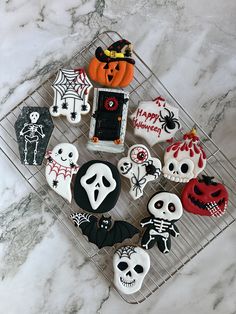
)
(205, 197)
(140, 168)
(108, 122)
(61, 165)
(131, 264)
(103, 232)
(33, 128)
(97, 186)
(71, 89)
(184, 160)
(155, 121)
(113, 67)
(165, 209)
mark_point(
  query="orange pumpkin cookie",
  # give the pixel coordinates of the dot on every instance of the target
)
(113, 66)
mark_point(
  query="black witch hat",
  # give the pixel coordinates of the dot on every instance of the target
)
(119, 51)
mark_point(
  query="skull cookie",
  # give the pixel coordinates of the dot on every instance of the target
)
(140, 168)
(97, 186)
(184, 160)
(61, 165)
(165, 209)
(131, 264)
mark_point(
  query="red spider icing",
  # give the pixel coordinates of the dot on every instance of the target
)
(190, 144)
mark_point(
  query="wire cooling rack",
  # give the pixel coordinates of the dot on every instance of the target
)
(196, 231)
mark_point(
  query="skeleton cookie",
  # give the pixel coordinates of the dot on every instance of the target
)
(61, 165)
(184, 160)
(131, 264)
(165, 209)
(140, 168)
(97, 186)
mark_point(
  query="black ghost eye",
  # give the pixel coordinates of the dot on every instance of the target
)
(91, 180)
(106, 182)
(122, 265)
(117, 67)
(138, 269)
(184, 168)
(60, 151)
(171, 167)
(171, 207)
(197, 190)
(70, 154)
(215, 194)
(106, 66)
(158, 204)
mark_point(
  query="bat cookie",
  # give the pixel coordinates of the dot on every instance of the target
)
(101, 231)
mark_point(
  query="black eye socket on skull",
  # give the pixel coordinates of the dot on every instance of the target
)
(171, 167)
(158, 204)
(184, 168)
(122, 266)
(91, 180)
(60, 151)
(138, 269)
(171, 207)
(215, 194)
(70, 154)
(197, 190)
(105, 182)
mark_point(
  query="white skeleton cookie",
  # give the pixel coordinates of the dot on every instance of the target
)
(155, 121)
(71, 89)
(165, 209)
(140, 168)
(61, 165)
(131, 264)
(184, 160)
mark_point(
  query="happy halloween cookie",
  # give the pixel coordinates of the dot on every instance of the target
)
(113, 67)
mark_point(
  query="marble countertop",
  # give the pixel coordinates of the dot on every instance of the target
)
(191, 46)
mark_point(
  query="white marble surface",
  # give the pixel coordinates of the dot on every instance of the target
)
(191, 46)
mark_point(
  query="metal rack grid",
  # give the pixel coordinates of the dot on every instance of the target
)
(196, 231)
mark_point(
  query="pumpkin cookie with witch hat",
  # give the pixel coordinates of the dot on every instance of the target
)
(113, 66)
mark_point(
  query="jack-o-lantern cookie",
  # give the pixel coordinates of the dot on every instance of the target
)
(113, 66)
(205, 197)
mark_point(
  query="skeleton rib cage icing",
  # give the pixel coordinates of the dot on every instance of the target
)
(195, 231)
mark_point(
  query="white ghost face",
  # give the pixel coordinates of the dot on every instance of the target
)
(166, 206)
(65, 154)
(131, 265)
(34, 116)
(98, 182)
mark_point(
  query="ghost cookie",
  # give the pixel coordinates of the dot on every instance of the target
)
(113, 67)
(155, 121)
(140, 168)
(33, 128)
(184, 160)
(97, 186)
(131, 264)
(164, 209)
(60, 167)
(71, 90)
(205, 197)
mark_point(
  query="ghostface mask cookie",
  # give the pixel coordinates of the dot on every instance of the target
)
(184, 160)
(61, 166)
(205, 197)
(131, 264)
(113, 67)
(164, 209)
(140, 168)
(71, 90)
(97, 186)
(155, 121)
(33, 128)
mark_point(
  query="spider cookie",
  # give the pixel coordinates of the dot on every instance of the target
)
(108, 122)
(165, 209)
(155, 121)
(205, 197)
(97, 186)
(131, 264)
(71, 89)
(33, 128)
(60, 167)
(140, 168)
(184, 160)
(113, 67)
(103, 232)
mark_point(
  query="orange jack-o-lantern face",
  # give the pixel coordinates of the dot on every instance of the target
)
(205, 197)
(112, 74)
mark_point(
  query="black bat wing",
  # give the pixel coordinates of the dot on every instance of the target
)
(87, 223)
